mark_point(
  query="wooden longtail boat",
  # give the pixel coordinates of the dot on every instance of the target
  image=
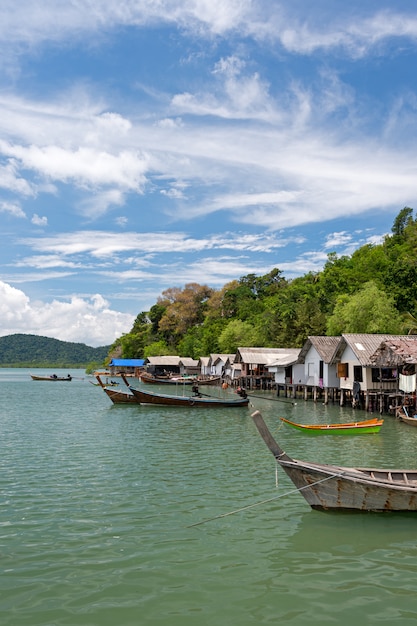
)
(213, 380)
(149, 397)
(348, 428)
(52, 378)
(403, 414)
(166, 380)
(332, 487)
(117, 397)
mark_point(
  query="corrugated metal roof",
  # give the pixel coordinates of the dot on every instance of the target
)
(325, 347)
(260, 356)
(363, 346)
(289, 357)
(163, 360)
(221, 357)
(188, 361)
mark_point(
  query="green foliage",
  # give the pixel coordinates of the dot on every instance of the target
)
(370, 310)
(32, 350)
(403, 219)
(237, 333)
(374, 291)
(157, 348)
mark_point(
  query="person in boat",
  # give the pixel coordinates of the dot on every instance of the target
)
(196, 390)
(241, 391)
(54, 376)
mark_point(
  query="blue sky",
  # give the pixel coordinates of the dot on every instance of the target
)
(149, 144)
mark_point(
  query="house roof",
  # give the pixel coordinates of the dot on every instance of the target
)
(396, 351)
(289, 357)
(363, 346)
(325, 347)
(188, 361)
(204, 360)
(215, 358)
(127, 363)
(163, 360)
(260, 356)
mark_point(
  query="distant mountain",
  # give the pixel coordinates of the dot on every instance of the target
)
(32, 351)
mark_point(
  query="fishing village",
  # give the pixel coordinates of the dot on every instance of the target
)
(208, 296)
(372, 373)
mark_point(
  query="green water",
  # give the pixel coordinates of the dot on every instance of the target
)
(98, 502)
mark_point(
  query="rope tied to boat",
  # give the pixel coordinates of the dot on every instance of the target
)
(251, 506)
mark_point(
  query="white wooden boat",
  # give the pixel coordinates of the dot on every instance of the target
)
(334, 487)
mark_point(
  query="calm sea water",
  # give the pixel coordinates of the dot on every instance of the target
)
(98, 504)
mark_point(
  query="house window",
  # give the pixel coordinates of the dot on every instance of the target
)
(357, 373)
(343, 370)
(384, 374)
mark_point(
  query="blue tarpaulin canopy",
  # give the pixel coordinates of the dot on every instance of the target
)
(127, 363)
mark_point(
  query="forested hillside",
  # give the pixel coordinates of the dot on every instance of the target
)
(372, 291)
(33, 351)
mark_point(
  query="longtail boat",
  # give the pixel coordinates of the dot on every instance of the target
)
(213, 380)
(197, 400)
(166, 380)
(53, 378)
(348, 428)
(333, 487)
(403, 415)
(117, 397)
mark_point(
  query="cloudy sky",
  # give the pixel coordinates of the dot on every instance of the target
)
(146, 144)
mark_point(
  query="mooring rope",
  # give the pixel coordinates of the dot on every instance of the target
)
(251, 506)
(250, 395)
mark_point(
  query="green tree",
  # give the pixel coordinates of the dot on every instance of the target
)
(237, 333)
(403, 219)
(157, 348)
(370, 310)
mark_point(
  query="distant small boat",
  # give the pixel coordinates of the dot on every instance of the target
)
(52, 378)
(107, 383)
(333, 487)
(348, 428)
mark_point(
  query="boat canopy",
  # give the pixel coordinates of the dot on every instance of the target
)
(127, 363)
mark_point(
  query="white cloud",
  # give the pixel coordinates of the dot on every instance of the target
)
(102, 244)
(88, 321)
(317, 27)
(82, 166)
(10, 180)
(13, 208)
(338, 239)
(238, 95)
(39, 221)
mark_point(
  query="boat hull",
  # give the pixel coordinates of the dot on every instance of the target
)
(160, 380)
(120, 397)
(146, 397)
(353, 428)
(51, 378)
(334, 488)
